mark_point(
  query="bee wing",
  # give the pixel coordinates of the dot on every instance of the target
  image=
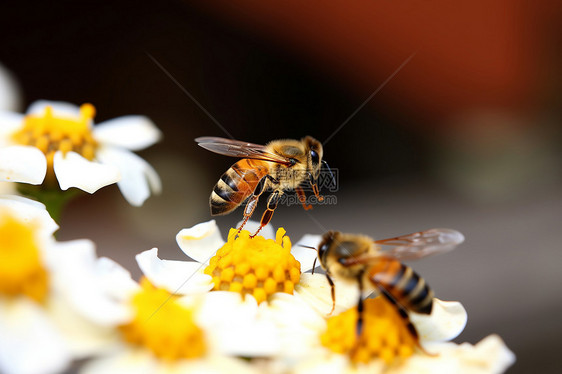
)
(421, 244)
(237, 148)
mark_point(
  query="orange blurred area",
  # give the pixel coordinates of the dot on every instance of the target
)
(469, 55)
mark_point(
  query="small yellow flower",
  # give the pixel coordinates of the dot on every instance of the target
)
(162, 325)
(57, 142)
(50, 134)
(254, 266)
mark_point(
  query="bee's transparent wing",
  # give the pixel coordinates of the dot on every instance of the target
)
(421, 244)
(237, 148)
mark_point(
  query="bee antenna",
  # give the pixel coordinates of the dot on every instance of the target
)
(316, 258)
(307, 246)
(333, 178)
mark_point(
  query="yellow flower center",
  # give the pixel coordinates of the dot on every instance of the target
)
(21, 266)
(255, 266)
(162, 325)
(50, 133)
(384, 333)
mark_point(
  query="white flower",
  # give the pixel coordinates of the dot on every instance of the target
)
(247, 326)
(140, 328)
(30, 294)
(58, 140)
(447, 320)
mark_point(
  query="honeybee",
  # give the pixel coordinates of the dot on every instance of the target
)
(359, 258)
(281, 165)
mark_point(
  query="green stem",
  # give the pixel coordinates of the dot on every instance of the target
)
(54, 199)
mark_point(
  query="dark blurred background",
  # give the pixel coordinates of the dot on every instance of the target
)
(463, 129)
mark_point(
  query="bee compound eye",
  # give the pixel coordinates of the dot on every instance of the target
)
(322, 250)
(314, 157)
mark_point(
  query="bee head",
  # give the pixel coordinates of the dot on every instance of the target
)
(324, 246)
(315, 153)
(328, 247)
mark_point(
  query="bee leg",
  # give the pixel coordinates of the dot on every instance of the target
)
(360, 306)
(316, 192)
(404, 315)
(314, 186)
(271, 205)
(253, 202)
(333, 292)
(360, 312)
(302, 198)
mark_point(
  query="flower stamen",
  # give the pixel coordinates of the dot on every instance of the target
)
(21, 267)
(255, 266)
(384, 335)
(163, 326)
(50, 133)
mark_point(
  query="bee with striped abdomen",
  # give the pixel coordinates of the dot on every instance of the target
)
(280, 165)
(359, 258)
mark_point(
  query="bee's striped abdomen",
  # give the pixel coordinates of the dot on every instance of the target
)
(236, 184)
(406, 287)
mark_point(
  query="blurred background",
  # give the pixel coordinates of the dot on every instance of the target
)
(435, 114)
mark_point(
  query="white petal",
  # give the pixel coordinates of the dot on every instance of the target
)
(234, 326)
(30, 211)
(315, 290)
(83, 337)
(446, 321)
(115, 279)
(252, 226)
(258, 338)
(201, 241)
(304, 255)
(214, 304)
(130, 132)
(16, 199)
(124, 361)
(7, 188)
(489, 356)
(9, 123)
(20, 163)
(60, 108)
(493, 353)
(440, 363)
(329, 364)
(153, 179)
(215, 364)
(78, 279)
(298, 322)
(178, 277)
(135, 172)
(29, 342)
(10, 95)
(140, 361)
(73, 170)
(291, 311)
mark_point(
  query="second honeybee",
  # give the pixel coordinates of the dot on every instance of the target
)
(359, 258)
